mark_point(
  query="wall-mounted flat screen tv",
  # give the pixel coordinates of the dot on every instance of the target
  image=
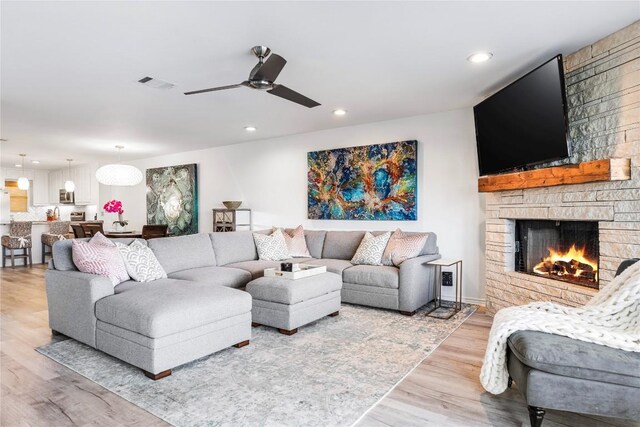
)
(525, 123)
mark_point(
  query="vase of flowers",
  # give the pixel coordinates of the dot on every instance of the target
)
(115, 206)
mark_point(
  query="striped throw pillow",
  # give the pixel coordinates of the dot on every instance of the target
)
(402, 247)
(99, 256)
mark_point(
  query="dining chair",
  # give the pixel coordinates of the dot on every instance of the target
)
(154, 231)
(19, 238)
(91, 228)
(78, 232)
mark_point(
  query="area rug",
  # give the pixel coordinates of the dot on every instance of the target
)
(329, 373)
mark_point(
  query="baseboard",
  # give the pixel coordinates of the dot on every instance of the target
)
(476, 301)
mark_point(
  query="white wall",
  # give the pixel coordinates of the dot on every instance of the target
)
(269, 176)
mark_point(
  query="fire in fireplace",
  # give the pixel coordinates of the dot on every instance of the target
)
(562, 250)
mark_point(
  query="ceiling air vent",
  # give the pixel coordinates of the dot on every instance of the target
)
(156, 83)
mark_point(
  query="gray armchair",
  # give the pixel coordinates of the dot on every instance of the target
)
(555, 372)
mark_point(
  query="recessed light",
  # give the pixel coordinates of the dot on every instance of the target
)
(18, 165)
(250, 128)
(35, 162)
(156, 83)
(339, 112)
(479, 57)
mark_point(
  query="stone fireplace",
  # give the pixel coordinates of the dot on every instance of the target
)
(603, 218)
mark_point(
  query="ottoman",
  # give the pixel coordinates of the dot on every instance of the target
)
(288, 304)
(165, 323)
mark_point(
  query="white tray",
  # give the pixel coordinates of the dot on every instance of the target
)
(299, 271)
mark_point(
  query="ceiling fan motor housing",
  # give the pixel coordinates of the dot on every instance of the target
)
(261, 84)
(261, 51)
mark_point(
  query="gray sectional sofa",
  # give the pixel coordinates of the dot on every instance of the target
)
(202, 307)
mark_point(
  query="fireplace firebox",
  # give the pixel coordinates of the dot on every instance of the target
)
(561, 250)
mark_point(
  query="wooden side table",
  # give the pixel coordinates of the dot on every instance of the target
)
(437, 286)
(227, 220)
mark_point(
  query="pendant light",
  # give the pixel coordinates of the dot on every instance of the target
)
(23, 182)
(119, 174)
(69, 185)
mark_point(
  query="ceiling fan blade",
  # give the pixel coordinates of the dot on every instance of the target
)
(270, 69)
(213, 89)
(292, 95)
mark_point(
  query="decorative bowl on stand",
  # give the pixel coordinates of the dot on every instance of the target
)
(231, 204)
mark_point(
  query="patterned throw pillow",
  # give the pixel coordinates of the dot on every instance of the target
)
(371, 249)
(296, 243)
(271, 248)
(402, 247)
(99, 256)
(142, 265)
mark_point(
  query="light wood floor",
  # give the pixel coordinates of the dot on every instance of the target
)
(35, 391)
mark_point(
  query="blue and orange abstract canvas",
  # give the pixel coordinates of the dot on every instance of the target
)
(371, 182)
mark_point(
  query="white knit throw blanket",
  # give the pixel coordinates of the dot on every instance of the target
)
(611, 318)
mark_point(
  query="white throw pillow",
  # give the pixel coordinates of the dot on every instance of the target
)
(271, 248)
(402, 247)
(142, 265)
(296, 243)
(371, 249)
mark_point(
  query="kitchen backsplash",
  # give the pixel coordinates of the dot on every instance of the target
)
(39, 213)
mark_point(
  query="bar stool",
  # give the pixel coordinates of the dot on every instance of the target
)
(19, 237)
(58, 230)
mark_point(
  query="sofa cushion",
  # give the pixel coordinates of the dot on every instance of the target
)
(333, 265)
(573, 358)
(62, 253)
(168, 306)
(315, 242)
(183, 252)
(255, 268)
(290, 292)
(234, 246)
(341, 244)
(381, 276)
(221, 276)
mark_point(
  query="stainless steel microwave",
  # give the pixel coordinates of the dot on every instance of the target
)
(67, 198)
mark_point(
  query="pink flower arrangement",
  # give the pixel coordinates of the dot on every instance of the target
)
(113, 206)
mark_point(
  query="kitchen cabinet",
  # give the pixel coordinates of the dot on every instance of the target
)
(83, 176)
(40, 188)
(55, 184)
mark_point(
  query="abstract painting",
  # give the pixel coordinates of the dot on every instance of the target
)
(172, 198)
(372, 182)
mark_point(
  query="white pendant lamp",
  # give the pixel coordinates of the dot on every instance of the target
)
(118, 174)
(69, 185)
(23, 182)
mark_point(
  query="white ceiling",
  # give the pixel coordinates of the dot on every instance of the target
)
(70, 69)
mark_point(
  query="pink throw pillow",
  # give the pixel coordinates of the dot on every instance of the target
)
(99, 256)
(402, 247)
(296, 243)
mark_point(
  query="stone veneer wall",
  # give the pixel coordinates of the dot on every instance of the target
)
(603, 95)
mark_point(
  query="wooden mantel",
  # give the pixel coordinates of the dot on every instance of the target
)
(595, 171)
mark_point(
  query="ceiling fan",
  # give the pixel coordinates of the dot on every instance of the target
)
(263, 76)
